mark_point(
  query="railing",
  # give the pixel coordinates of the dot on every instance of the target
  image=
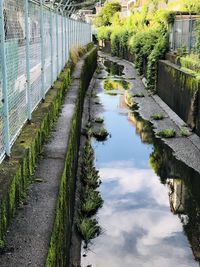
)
(35, 42)
(182, 34)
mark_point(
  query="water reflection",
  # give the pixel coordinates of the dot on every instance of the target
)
(113, 68)
(183, 185)
(151, 200)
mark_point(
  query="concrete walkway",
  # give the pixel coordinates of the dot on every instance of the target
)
(28, 238)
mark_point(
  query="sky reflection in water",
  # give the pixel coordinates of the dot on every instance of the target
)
(140, 230)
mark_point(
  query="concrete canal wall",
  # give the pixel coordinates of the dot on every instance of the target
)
(180, 91)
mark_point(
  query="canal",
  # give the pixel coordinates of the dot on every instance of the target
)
(151, 215)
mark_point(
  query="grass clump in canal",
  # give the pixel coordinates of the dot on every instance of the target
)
(91, 199)
(139, 95)
(184, 132)
(167, 133)
(90, 177)
(100, 134)
(89, 229)
(157, 116)
(116, 85)
(111, 93)
(99, 120)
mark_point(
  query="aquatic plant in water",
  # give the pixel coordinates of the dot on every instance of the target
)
(100, 134)
(116, 85)
(89, 229)
(91, 202)
(139, 95)
(99, 120)
(90, 177)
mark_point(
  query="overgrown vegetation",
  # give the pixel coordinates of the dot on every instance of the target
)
(157, 116)
(116, 85)
(91, 199)
(167, 133)
(144, 34)
(184, 132)
(89, 229)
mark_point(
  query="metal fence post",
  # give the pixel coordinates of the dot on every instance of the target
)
(5, 82)
(57, 48)
(28, 60)
(42, 47)
(190, 35)
(51, 30)
(62, 52)
(65, 44)
(74, 33)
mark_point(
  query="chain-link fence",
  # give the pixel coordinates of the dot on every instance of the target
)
(182, 34)
(34, 43)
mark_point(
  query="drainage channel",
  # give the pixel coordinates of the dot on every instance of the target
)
(150, 216)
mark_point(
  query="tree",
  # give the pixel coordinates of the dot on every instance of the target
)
(107, 13)
(192, 6)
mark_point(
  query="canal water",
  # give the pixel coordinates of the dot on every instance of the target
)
(151, 213)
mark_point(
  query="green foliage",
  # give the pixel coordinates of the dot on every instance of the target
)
(184, 132)
(91, 202)
(89, 229)
(192, 6)
(100, 134)
(91, 199)
(2, 245)
(144, 34)
(157, 116)
(116, 85)
(197, 35)
(139, 95)
(99, 120)
(167, 133)
(158, 52)
(190, 62)
(107, 13)
(104, 33)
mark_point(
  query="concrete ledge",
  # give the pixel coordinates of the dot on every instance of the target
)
(16, 173)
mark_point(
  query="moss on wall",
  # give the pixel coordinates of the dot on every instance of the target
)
(58, 254)
(180, 90)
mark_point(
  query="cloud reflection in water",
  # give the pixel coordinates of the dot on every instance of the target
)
(140, 230)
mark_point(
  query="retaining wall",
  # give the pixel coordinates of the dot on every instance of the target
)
(180, 91)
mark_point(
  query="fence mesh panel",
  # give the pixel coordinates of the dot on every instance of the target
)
(47, 49)
(35, 54)
(1, 113)
(16, 65)
(182, 34)
(58, 34)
